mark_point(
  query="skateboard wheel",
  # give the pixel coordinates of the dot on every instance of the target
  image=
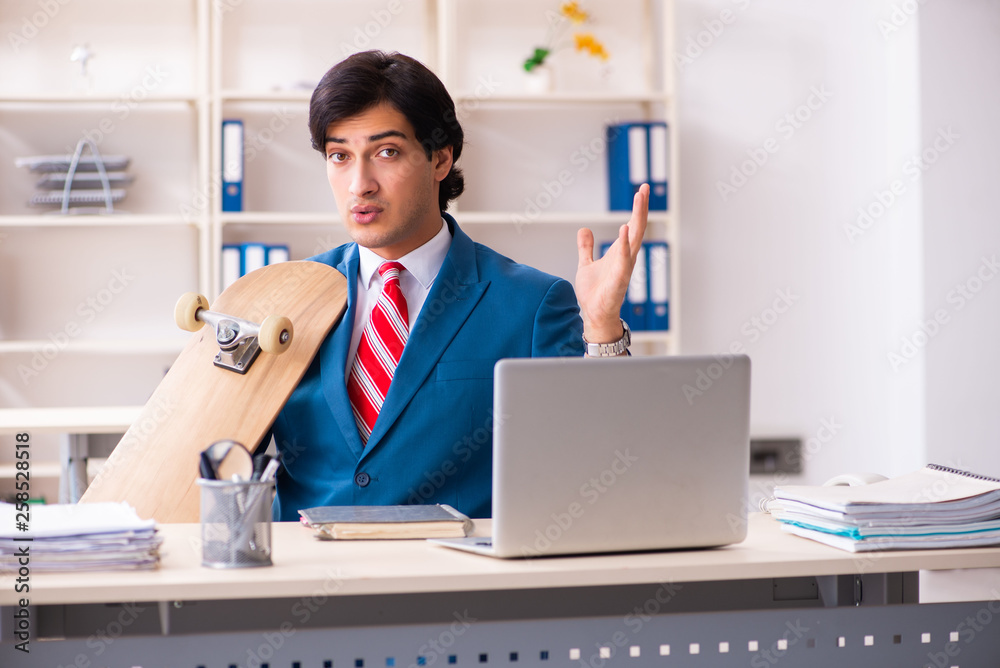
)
(186, 311)
(275, 334)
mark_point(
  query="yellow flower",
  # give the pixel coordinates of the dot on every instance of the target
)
(585, 41)
(572, 11)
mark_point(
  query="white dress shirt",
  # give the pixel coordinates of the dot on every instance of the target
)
(422, 266)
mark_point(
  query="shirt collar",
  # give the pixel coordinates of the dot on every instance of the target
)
(423, 263)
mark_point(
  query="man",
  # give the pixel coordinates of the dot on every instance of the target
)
(397, 406)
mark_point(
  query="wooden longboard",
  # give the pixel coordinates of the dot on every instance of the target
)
(155, 465)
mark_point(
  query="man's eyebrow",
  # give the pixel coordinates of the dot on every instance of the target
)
(388, 133)
(374, 138)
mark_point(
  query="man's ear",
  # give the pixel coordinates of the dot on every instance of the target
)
(442, 160)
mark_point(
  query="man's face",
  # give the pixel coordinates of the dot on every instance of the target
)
(386, 188)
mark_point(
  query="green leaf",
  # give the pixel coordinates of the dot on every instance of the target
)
(536, 59)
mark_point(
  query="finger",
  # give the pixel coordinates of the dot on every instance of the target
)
(625, 242)
(585, 246)
(640, 216)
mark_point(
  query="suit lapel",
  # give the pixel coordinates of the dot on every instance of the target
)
(453, 296)
(333, 358)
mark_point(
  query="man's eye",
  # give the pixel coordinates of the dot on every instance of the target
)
(389, 152)
(336, 157)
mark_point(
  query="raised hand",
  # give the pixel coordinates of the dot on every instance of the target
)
(601, 284)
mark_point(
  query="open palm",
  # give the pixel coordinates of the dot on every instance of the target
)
(601, 284)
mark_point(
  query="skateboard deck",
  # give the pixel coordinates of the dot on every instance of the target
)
(155, 465)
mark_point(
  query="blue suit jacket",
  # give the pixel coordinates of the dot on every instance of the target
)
(433, 440)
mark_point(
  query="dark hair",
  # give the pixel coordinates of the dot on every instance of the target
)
(370, 78)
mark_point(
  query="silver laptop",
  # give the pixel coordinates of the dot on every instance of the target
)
(616, 455)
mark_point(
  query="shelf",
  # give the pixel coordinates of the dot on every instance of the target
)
(77, 420)
(87, 220)
(554, 218)
(652, 337)
(100, 347)
(466, 100)
(463, 218)
(25, 100)
(301, 96)
(278, 218)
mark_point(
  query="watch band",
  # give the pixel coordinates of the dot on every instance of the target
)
(613, 349)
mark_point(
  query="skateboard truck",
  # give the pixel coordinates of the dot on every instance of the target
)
(240, 341)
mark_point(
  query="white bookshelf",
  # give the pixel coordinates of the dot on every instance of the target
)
(514, 137)
(164, 76)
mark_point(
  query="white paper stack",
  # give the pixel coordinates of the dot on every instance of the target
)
(934, 507)
(77, 537)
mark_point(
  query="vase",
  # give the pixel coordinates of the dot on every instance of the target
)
(538, 80)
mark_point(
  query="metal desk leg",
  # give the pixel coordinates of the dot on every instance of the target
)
(73, 452)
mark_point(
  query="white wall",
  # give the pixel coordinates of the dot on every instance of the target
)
(823, 368)
(960, 64)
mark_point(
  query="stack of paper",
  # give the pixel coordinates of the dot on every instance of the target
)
(78, 537)
(934, 507)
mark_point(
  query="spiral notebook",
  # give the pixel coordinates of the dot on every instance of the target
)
(933, 507)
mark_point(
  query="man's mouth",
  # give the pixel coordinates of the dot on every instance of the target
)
(365, 213)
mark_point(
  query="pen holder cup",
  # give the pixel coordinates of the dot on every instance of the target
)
(235, 523)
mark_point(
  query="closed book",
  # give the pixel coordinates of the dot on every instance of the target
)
(637, 299)
(254, 257)
(277, 253)
(231, 264)
(232, 165)
(658, 309)
(659, 166)
(386, 522)
(638, 153)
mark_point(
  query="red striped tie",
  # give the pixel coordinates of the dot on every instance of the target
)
(379, 351)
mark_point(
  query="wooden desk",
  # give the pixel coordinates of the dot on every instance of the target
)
(375, 604)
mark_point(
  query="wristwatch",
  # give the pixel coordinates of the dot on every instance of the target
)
(613, 349)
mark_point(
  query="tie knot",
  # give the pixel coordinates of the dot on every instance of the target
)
(389, 271)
